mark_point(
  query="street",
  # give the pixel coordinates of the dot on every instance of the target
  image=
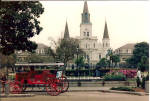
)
(81, 96)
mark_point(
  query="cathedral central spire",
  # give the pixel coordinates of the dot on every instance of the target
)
(85, 10)
(85, 14)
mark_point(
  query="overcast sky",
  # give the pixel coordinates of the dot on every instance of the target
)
(128, 22)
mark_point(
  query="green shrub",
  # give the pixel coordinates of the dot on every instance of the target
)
(114, 77)
(122, 89)
(143, 82)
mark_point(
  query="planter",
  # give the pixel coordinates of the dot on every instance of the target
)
(147, 86)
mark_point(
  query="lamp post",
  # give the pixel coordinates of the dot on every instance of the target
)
(78, 68)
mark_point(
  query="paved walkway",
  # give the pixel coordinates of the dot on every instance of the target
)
(81, 96)
(104, 89)
(82, 89)
(88, 88)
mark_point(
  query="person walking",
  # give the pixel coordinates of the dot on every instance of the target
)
(139, 78)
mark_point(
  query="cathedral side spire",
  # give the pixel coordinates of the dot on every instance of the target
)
(66, 33)
(106, 40)
(85, 14)
(105, 32)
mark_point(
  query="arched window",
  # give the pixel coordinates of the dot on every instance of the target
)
(99, 56)
(94, 45)
(87, 33)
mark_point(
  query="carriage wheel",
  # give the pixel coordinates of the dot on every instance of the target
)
(15, 87)
(53, 86)
(65, 84)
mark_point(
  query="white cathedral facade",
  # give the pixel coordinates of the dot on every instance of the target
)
(89, 43)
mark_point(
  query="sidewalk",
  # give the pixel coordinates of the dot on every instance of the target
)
(88, 89)
(104, 89)
(83, 89)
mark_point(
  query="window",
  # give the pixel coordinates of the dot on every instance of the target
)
(124, 59)
(84, 33)
(42, 51)
(88, 57)
(87, 33)
(127, 50)
(37, 51)
(99, 56)
(120, 51)
(94, 45)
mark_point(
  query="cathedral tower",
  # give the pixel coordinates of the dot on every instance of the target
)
(66, 33)
(86, 25)
(106, 40)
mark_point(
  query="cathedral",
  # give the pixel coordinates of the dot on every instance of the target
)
(89, 43)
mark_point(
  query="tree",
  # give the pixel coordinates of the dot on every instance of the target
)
(7, 61)
(80, 61)
(18, 23)
(115, 59)
(140, 56)
(102, 63)
(144, 63)
(109, 56)
(52, 53)
(65, 50)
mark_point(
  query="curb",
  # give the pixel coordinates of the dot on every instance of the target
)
(16, 95)
(125, 92)
(105, 91)
(82, 90)
(113, 91)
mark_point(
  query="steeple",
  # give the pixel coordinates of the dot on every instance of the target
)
(66, 33)
(106, 36)
(85, 10)
(85, 14)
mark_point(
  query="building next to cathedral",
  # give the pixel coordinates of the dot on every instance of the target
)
(94, 51)
(125, 51)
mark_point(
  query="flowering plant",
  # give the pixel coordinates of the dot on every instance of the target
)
(129, 73)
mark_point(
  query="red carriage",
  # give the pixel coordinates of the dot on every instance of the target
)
(50, 75)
